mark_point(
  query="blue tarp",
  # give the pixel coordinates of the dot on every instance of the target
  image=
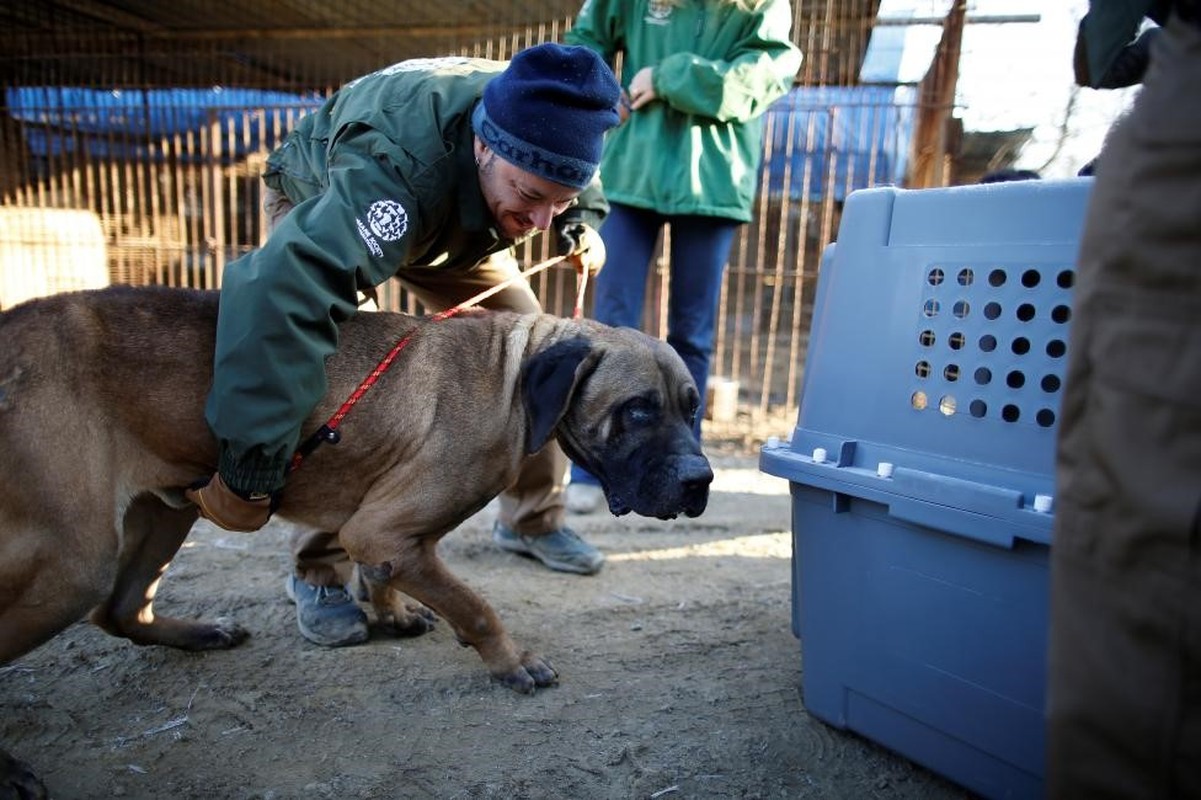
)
(823, 139)
(833, 140)
(132, 123)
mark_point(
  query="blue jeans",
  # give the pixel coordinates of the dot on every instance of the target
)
(700, 247)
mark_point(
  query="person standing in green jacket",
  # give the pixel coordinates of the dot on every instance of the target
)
(700, 75)
(429, 171)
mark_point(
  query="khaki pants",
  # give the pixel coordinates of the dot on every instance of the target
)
(533, 505)
(1124, 700)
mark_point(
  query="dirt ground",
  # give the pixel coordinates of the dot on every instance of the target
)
(680, 678)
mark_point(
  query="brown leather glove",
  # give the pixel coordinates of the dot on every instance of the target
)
(224, 507)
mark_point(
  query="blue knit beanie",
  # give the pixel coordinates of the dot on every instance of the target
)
(547, 113)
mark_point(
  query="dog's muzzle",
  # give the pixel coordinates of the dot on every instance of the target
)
(679, 485)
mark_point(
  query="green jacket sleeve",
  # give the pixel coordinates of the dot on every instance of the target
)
(280, 307)
(598, 27)
(758, 71)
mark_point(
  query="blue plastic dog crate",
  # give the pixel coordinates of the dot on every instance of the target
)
(921, 471)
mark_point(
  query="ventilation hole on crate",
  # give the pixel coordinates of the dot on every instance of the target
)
(956, 341)
(988, 343)
(1050, 383)
(983, 376)
(996, 277)
(1020, 346)
(1025, 312)
(966, 277)
(1061, 314)
(1045, 417)
(927, 338)
(1010, 413)
(1031, 278)
(947, 405)
(919, 401)
(930, 309)
(1066, 279)
(961, 309)
(936, 276)
(992, 311)
(922, 370)
(1015, 379)
(951, 372)
(1056, 348)
(978, 408)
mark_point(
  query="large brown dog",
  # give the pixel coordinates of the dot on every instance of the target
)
(102, 425)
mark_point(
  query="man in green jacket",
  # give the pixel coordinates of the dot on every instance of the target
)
(429, 171)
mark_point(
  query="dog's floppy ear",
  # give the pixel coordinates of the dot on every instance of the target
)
(547, 383)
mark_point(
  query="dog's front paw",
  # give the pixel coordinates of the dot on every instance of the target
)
(539, 669)
(531, 674)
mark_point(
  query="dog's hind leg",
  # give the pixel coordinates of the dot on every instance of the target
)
(153, 533)
(48, 581)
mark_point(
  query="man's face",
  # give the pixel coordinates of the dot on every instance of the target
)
(520, 201)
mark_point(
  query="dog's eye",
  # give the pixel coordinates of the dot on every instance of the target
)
(639, 412)
(692, 405)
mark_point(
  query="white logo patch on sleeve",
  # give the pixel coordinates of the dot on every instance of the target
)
(388, 219)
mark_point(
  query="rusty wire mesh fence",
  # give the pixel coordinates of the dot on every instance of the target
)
(154, 120)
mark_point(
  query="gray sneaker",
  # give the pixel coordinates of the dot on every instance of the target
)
(327, 615)
(561, 549)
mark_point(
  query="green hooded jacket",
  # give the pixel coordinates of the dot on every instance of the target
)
(718, 65)
(384, 177)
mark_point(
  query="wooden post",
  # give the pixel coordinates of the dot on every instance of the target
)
(935, 104)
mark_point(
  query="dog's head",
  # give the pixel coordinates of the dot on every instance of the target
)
(621, 404)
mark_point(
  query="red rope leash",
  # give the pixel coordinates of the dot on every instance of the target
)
(329, 431)
(581, 279)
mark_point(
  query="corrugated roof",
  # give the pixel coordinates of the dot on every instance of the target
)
(278, 44)
(296, 45)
